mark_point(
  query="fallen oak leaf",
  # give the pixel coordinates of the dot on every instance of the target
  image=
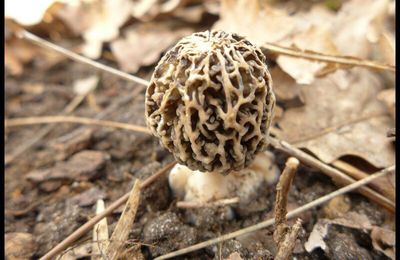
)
(98, 21)
(144, 43)
(146, 10)
(259, 23)
(317, 39)
(287, 92)
(267, 25)
(330, 103)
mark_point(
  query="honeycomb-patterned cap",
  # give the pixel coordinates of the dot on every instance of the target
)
(210, 101)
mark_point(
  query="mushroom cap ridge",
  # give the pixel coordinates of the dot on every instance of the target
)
(210, 101)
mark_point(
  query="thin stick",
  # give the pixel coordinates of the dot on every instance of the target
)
(316, 56)
(282, 191)
(337, 176)
(73, 119)
(380, 185)
(125, 223)
(89, 225)
(270, 222)
(76, 57)
(200, 204)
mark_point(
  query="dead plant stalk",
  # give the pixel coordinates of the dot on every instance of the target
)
(285, 237)
(76, 57)
(73, 120)
(282, 191)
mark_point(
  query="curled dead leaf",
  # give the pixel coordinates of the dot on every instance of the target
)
(143, 44)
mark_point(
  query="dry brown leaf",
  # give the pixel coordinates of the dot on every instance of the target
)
(341, 118)
(144, 44)
(350, 33)
(287, 91)
(146, 10)
(321, 229)
(383, 240)
(258, 23)
(359, 23)
(192, 14)
(264, 23)
(316, 39)
(98, 21)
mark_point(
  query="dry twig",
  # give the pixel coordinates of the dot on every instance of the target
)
(76, 57)
(316, 56)
(72, 119)
(200, 204)
(89, 225)
(124, 225)
(379, 185)
(270, 222)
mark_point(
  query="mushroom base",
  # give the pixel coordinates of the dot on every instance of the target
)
(189, 185)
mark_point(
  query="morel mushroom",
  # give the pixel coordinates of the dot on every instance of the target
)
(210, 101)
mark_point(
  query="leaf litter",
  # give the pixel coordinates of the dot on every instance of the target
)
(331, 110)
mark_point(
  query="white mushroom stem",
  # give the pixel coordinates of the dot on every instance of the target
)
(204, 187)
